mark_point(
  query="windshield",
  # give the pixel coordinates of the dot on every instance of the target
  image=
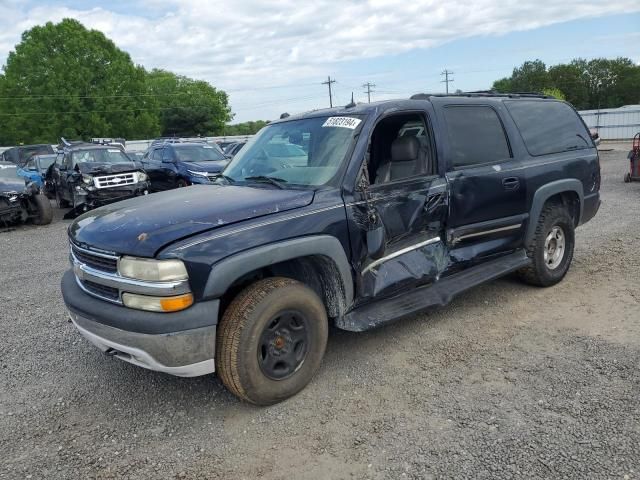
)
(46, 161)
(8, 172)
(307, 152)
(102, 155)
(198, 153)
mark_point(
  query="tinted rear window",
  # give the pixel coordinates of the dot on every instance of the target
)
(475, 135)
(549, 127)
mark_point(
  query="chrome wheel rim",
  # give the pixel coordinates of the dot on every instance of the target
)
(554, 248)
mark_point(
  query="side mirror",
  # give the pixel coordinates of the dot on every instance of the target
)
(376, 240)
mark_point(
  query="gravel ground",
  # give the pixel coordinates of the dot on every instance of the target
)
(509, 381)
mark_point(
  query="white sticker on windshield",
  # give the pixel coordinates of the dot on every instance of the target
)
(206, 146)
(113, 150)
(344, 122)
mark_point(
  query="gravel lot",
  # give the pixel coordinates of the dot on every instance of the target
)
(509, 381)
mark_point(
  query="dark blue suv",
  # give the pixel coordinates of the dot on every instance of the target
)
(173, 165)
(353, 217)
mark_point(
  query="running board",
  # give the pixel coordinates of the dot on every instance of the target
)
(437, 294)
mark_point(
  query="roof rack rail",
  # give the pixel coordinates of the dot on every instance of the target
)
(481, 93)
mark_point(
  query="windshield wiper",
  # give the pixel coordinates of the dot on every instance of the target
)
(265, 179)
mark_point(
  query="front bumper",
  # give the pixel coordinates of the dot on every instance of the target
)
(180, 343)
(104, 196)
(183, 354)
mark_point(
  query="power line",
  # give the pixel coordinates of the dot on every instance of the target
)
(368, 86)
(329, 82)
(447, 80)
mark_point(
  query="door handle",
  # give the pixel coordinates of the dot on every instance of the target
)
(511, 183)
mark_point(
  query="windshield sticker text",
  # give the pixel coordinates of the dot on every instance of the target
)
(344, 122)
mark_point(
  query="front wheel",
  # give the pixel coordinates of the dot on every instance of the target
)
(271, 340)
(551, 249)
(43, 207)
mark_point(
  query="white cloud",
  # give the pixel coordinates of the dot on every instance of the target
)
(235, 44)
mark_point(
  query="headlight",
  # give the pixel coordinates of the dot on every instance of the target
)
(157, 304)
(152, 270)
(142, 177)
(87, 179)
(198, 174)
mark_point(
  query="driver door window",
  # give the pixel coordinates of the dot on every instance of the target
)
(400, 148)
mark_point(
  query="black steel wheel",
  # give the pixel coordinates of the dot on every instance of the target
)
(283, 345)
(271, 340)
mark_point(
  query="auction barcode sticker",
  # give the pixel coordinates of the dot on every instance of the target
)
(344, 122)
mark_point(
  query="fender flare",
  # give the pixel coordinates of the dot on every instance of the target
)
(547, 191)
(228, 270)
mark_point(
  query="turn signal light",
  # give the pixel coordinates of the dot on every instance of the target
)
(158, 304)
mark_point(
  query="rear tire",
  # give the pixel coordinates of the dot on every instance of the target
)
(551, 249)
(43, 207)
(271, 340)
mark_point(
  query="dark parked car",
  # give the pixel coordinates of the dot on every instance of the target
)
(21, 201)
(87, 175)
(243, 277)
(173, 165)
(21, 155)
(135, 156)
(233, 149)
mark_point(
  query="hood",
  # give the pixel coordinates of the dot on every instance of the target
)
(95, 168)
(10, 185)
(141, 226)
(213, 166)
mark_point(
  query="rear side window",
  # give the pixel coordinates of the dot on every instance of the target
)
(476, 136)
(549, 127)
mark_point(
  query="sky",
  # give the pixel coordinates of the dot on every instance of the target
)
(272, 56)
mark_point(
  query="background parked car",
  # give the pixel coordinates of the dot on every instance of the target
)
(21, 155)
(87, 175)
(35, 169)
(173, 165)
(21, 201)
(135, 156)
(233, 149)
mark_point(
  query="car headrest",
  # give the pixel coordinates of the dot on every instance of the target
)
(405, 149)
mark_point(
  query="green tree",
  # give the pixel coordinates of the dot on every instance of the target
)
(63, 79)
(587, 84)
(188, 107)
(246, 128)
(554, 92)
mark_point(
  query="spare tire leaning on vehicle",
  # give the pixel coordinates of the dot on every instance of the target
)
(42, 206)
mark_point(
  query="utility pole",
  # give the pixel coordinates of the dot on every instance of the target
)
(329, 82)
(447, 80)
(368, 86)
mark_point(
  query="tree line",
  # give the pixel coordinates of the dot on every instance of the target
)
(586, 84)
(65, 80)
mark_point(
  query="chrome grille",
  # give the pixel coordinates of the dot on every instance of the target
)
(99, 261)
(118, 180)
